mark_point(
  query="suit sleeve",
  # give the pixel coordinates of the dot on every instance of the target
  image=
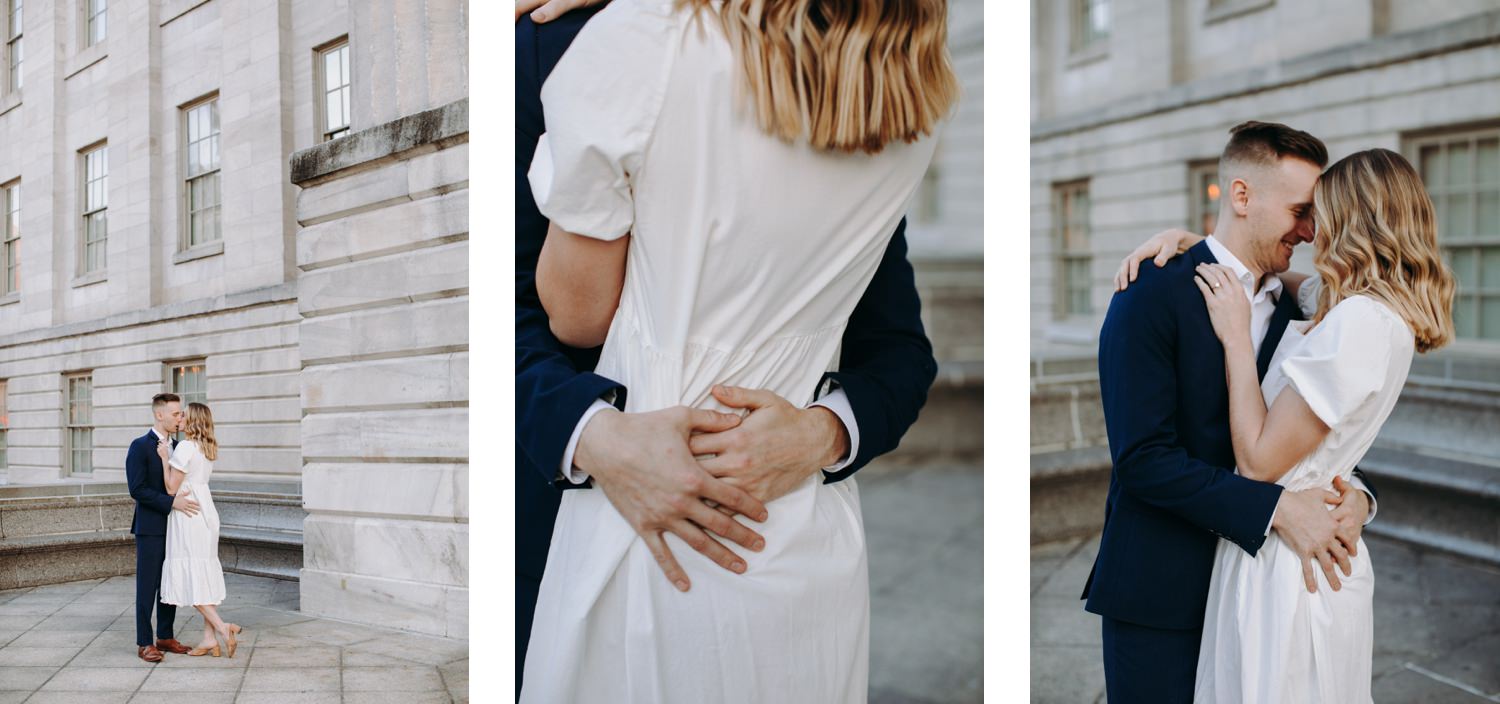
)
(1138, 381)
(137, 465)
(551, 393)
(885, 364)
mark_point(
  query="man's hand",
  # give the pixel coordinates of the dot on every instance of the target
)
(1311, 531)
(773, 449)
(642, 463)
(1353, 508)
(551, 10)
(182, 503)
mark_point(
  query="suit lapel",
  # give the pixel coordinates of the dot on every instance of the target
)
(1286, 309)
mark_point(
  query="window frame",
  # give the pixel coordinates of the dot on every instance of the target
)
(185, 240)
(1198, 206)
(1084, 40)
(170, 371)
(1064, 192)
(10, 238)
(74, 430)
(321, 88)
(90, 15)
(86, 215)
(1478, 293)
(14, 44)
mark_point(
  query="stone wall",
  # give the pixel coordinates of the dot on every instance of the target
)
(383, 255)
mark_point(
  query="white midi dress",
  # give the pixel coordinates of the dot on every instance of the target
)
(1265, 638)
(191, 574)
(747, 257)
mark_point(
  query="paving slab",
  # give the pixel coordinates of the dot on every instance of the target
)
(75, 642)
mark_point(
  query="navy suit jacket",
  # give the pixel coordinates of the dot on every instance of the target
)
(1172, 491)
(143, 475)
(886, 364)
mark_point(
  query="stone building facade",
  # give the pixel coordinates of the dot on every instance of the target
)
(234, 200)
(1131, 102)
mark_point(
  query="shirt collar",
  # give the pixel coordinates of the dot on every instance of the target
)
(157, 433)
(1270, 283)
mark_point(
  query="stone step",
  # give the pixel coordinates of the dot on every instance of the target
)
(1446, 504)
(1068, 488)
(62, 532)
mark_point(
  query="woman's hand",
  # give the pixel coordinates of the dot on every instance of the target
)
(550, 10)
(1160, 248)
(164, 450)
(1228, 307)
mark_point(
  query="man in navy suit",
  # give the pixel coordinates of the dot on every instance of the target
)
(571, 433)
(143, 474)
(1172, 492)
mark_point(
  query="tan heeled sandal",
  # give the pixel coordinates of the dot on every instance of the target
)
(233, 642)
(199, 652)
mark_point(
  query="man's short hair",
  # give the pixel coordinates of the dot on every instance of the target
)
(160, 401)
(1263, 143)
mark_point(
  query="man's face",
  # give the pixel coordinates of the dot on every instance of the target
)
(171, 416)
(1280, 213)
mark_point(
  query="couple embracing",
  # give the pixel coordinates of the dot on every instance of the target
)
(1239, 397)
(713, 192)
(176, 529)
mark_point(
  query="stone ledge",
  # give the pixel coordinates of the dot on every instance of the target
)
(1466, 33)
(435, 128)
(280, 293)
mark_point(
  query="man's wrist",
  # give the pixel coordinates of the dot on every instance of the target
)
(597, 428)
(837, 446)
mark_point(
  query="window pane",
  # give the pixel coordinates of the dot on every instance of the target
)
(1460, 216)
(335, 111)
(345, 114)
(1489, 215)
(1489, 269)
(1489, 323)
(1431, 161)
(1460, 165)
(1488, 170)
(1463, 269)
(332, 76)
(344, 77)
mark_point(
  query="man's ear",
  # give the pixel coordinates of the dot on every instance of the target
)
(1239, 196)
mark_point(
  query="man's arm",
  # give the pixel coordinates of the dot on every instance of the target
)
(885, 362)
(1138, 382)
(136, 470)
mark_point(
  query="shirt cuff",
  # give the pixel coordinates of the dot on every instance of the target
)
(838, 402)
(574, 474)
(1360, 485)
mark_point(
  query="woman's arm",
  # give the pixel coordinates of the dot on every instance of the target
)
(1266, 443)
(171, 477)
(1160, 248)
(579, 280)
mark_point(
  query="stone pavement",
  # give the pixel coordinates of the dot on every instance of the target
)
(924, 527)
(1437, 626)
(75, 642)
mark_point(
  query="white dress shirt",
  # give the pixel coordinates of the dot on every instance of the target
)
(1262, 306)
(834, 400)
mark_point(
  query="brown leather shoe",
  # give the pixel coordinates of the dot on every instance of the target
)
(149, 653)
(172, 646)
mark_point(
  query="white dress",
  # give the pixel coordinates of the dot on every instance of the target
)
(747, 257)
(1265, 638)
(191, 574)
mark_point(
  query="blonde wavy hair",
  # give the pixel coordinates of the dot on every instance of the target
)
(849, 75)
(200, 429)
(1377, 236)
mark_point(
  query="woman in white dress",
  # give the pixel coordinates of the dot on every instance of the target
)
(1383, 293)
(192, 575)
(722, 180)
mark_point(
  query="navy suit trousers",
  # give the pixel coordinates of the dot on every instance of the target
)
(150, 553)
(1144, 665)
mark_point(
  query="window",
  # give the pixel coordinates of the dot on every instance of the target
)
(1090, 23)
(333, 67)
(201, 187)
(188, 382)
(4, 426)
(95, 209)
(1462, 174)
(96, 28)
(1074, 258)
(80, 452)
(14, 53)
(1203, 180)
(10, 239)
